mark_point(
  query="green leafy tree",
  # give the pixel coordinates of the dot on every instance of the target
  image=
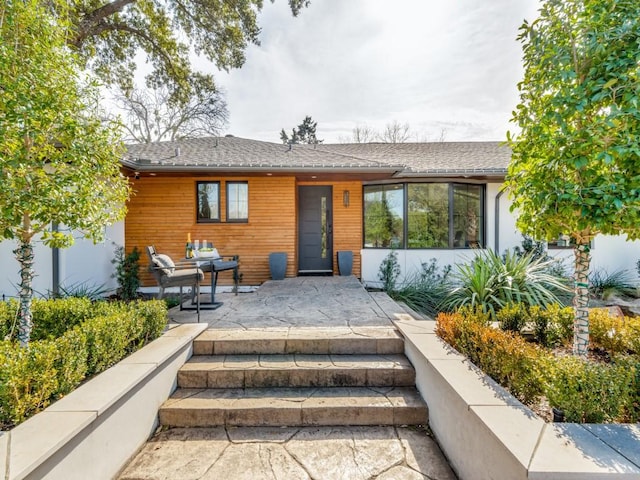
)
(575, 167)
(59, 163)
(108, 34)
(304, 133)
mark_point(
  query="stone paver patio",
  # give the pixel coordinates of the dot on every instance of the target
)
(314, 302)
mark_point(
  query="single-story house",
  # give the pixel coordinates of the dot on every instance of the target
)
(251, 198)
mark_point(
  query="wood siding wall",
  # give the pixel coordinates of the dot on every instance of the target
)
(163, 211)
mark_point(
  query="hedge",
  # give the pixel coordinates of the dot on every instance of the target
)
(584, 390)
(92, 337)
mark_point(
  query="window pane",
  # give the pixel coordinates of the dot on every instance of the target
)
(428, 215)
(383, 216)
(467, 216)
(208, 201)
(237, 201)
(563, 241)
(324, 227)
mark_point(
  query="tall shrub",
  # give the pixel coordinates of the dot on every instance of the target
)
(127, 273)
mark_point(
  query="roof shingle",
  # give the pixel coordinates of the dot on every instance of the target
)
(240, 154)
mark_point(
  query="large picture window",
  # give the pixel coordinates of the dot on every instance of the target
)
(208, 197)
(424, 215)
(237, 201)
(383, 216)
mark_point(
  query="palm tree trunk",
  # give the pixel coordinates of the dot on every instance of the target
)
(24, 255)
(582, 254)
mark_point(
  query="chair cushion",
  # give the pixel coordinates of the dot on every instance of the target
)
(165, 263)
(182, 277)
(220, 265)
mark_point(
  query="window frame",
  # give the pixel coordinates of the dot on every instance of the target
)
(404, 208)
(482, 227)
(200, 219)
(483, 215)
(227, 203)
(553, 245)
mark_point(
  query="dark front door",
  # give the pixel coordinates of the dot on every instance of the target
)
(315, 230)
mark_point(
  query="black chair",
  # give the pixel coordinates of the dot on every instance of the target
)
(217, 265)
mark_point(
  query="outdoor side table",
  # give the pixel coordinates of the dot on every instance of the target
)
(213, 265)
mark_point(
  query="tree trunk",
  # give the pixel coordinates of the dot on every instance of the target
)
(24, 254)
(582, 254)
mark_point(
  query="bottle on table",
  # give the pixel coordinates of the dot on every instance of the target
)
(189, 247)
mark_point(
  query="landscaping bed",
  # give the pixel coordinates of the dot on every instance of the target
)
(72, 339)
(540, 372)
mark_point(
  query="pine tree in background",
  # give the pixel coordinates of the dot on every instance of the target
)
(304, 133)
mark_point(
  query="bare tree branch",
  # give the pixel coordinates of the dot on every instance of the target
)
(151, 116)
(395, 132)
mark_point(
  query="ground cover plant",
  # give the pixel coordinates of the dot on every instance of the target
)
(72, 340)
(425, 290)
(604, 387)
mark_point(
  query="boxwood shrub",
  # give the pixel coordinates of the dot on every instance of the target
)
(513, 362)
(81, 341)
(614, 334)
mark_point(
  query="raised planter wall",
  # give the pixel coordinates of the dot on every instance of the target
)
(95, 430)
(486, 433)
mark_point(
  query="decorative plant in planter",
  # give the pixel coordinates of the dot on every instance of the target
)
(491, 281)
(127, 273)
(603, 388)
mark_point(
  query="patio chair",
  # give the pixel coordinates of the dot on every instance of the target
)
(169, 274)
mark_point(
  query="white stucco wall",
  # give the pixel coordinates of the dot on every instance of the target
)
(83, 263)
(610, 253)
(9, 269)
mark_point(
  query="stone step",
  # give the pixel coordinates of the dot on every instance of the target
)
(296, 370)
(294, 407)
(286, 340)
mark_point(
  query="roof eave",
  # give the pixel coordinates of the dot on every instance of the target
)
(255, 169)
(485, 173)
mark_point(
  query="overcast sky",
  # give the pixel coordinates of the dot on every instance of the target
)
(447, 65)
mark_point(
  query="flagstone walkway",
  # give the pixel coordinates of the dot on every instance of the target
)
(299, 302)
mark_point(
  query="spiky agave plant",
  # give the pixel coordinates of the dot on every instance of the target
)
(491, 282)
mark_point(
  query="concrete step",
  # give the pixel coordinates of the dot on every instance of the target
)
(296, 370)
(294, 407)
(306, 340)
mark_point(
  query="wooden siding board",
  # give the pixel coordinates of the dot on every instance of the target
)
(163, 211)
